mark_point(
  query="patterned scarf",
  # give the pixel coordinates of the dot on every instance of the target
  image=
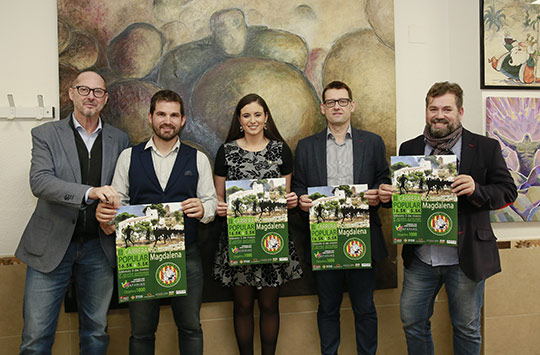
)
(442, 145)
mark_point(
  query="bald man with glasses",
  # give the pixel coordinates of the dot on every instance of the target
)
(72, 165)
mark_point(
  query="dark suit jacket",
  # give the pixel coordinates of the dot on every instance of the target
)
(55, 179)
(369, 167)
(481, 158)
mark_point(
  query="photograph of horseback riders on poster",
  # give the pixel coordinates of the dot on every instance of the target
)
(264, 199)
(429, 176)
(424, 208)
(344, 204)
(159, 226)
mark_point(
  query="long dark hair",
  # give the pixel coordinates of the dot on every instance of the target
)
(271, 131)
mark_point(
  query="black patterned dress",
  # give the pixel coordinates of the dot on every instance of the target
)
(236, 163)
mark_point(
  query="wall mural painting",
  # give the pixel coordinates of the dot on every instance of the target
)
(215, 52)
(509, 32)
(515, 123)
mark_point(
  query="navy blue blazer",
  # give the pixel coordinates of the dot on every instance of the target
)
(369, 167)
(481, 158)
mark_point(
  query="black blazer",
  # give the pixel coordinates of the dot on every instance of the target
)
(481, 158)
(369, 167)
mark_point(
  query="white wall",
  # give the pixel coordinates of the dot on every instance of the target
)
(28, 67)
(435, 40)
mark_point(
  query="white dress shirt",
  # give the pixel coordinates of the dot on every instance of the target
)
(163, 165)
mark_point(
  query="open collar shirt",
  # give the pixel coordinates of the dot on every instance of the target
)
(163, 165)
(339, 159)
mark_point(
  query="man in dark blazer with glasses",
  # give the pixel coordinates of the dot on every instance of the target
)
(340, 155)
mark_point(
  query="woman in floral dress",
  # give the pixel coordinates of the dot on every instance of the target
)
(254, 149)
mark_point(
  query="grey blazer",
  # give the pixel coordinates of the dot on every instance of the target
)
(55, 179)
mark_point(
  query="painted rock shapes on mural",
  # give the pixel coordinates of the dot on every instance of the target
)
(127, 108)
(291, 99)
(82, 51)
(135, 51)
(381, 18)
(372, 80)
(281, 46)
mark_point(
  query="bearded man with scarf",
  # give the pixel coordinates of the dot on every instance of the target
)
(483, 184)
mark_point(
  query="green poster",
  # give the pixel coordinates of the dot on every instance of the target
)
(150, 251)
(424, 208)
(339, 227)
(257, 221)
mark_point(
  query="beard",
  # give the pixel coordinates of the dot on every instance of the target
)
(167, 136)
(88, 111)
(450, 127)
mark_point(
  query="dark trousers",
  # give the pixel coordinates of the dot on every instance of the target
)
(144, 315)
(361, 284)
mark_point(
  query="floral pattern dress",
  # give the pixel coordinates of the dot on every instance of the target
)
(241, 165)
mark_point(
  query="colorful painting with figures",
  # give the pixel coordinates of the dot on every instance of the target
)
(515, 123)
(510, 32)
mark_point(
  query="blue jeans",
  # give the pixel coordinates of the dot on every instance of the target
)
(44, 293)
(360, 284)
(421, 284)
(144, 315)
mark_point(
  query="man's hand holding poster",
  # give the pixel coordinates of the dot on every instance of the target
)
(339, 224)
(257, 221)
(150, 251)
(424, 208)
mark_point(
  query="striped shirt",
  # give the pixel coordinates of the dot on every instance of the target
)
(339, 159)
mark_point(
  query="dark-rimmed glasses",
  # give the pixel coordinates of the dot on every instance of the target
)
(331, 103)
(85, 91)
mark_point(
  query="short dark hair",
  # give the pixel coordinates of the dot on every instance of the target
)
(167, 96)
(443, 87)
(337, 85)
(271, 131)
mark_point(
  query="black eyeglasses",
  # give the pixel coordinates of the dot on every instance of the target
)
(331, 103)
(85, 91)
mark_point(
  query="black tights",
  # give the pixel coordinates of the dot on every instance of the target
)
(244, 298)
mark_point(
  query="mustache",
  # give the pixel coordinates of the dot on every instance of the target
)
(167, 125)
(439, 120)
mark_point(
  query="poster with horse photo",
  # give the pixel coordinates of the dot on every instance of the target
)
(339, 227)
(257, 221)
(424, 208)
(150, 250)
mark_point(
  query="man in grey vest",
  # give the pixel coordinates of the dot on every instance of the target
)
(72, 163)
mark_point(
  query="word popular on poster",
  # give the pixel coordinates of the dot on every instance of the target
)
(339, 225)
(424, 208)
(257, 221)
(150, 250)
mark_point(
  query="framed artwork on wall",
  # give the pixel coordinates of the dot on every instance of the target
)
(509, 53)
(515, 123)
